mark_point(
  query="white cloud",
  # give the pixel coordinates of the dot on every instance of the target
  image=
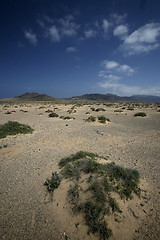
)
(71, 49)
(68, 32)
(31, 37)
(118, 19)
(90, 33)
(143, 40)
(121, 31)
(113, 66)
(125, 68)
(145, 34)
(109, 77)
(68, 27)
(113, 72)
(110, 64)
(54, 34)
(56, 29)
(105, 25)
(128, 90)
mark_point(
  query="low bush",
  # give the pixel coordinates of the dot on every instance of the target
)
(48, 111)
(53, 115)
(13, 128)
(140, 114)
(103, 119)
(100, 109)
(118, 110)
(74, 157)
(91, 119)
(53, 182)
(100, 182)
(130, 108)
(66, 117)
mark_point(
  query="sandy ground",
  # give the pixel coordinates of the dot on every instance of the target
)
(27, 211)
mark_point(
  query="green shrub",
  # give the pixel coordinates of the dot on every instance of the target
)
(93, 214)
(74, 157)
(71, 171)
(53, 182)
(140, 114)
(48, 111)
(91, 119)
(100, 109)
(13, 128)
(8, 112)
(103, 119)
(66, 117)
(24, 111)
(101, 180)
(53, 115)
(73, 193)
(118, 110)
(130, 108)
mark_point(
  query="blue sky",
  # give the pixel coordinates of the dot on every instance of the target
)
(69, 48)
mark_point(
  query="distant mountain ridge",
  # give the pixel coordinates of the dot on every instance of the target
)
(35, 97)
(114, 98)
(87, 97)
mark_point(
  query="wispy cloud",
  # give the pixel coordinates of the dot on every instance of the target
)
(128, 90)
(113, 66)
(90, 33)
(57, 29)
(31, 37)
(71, 49)
(105, 26)
(110, 64)
(105, 75)
(118, 19)
(121, 31)
(112, 74)
(142, 40)
(68, 26)
(54, 34)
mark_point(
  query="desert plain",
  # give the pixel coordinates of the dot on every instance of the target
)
(29, 212)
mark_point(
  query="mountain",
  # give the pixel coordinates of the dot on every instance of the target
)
(35, 97)
(114, 98)
(146, 98)
(102, 97)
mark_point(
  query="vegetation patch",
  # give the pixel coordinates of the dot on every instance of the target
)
(103, 119)
(49, 111)
(92, 186)
(13, 128)
(130, 108)
(66, 117)
(53, 182)
(24, 111)
(53, 115)
(140, 114)
(91, 119)
(118, 110)
(100, 109)
(9, 112)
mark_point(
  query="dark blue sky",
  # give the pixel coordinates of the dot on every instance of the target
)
(68, 48)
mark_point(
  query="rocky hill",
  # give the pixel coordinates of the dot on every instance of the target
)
(35, 97)
(114, 98)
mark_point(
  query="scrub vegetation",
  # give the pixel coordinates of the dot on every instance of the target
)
(13, 128)
(96, 182)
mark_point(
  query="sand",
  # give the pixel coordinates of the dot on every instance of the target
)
(28, 212)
